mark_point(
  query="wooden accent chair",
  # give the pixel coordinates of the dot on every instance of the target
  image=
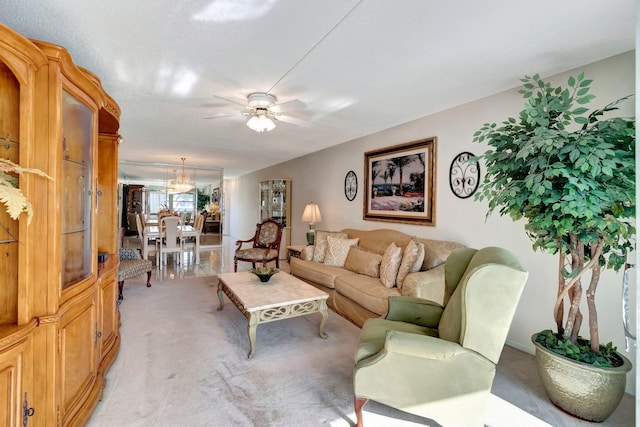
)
(439, 362)
(131, 265)
(265, 248)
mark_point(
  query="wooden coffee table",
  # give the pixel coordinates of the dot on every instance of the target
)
(282, 297)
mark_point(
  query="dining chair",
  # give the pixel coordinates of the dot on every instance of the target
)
(189, 243)
(170, 239)
(145, 243)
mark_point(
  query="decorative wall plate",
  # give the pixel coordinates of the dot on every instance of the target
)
(350, 185)
(464, 177)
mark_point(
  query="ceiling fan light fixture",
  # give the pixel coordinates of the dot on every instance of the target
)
(260, 121)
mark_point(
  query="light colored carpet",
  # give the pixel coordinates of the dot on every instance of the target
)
(183, 363)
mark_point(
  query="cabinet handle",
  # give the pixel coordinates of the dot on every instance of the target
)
(26, 411)
(98, 335)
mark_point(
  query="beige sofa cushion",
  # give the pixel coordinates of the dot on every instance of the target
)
(429, 285)
(437, 251)
(337, 250)
(366, 291)
(378, 241)
(317, 272)
(390, 264)
(409, 257)
(417, 266)
(320, 249)
(363, 262)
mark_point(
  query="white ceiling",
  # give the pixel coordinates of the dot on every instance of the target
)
(356, 66)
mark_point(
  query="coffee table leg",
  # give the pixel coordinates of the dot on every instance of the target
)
(220, 296)
(251, 330)
(325, 315)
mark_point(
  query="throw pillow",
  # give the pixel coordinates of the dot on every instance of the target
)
(337, 250)
(320, 242)
(363, 262)
(390, 265)
(417, 266)
(408, 260)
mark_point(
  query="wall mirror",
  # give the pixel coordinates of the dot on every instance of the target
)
(150, 188)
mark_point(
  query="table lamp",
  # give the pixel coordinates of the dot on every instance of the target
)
(311, 215)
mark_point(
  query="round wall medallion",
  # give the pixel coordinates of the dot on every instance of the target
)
(350, 185)
(464, 177)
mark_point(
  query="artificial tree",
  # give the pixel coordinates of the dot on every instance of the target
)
(570, 174)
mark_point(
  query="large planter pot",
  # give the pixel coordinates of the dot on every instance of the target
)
(587, 392)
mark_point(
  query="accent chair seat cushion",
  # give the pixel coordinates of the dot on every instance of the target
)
(256, 253)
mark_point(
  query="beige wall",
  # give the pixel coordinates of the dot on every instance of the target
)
(320, 176)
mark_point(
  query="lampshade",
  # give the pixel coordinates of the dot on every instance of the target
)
(260, 121)
(311, 214)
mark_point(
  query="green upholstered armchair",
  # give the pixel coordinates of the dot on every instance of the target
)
(439, 362)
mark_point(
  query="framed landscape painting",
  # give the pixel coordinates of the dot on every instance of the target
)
(400, 183)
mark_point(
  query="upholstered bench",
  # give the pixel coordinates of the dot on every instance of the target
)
(132, 265)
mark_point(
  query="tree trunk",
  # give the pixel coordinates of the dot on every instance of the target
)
(558, 312)
(591, 296)
(571, 329)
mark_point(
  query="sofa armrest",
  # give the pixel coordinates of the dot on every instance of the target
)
(307, 253)
(429, 285)
(414, 310)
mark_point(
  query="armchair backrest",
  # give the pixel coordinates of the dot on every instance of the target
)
(479, 313)
(268, 234)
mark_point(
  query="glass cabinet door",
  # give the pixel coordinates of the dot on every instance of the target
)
(265, 197)
(77, 179)
(273, 201)
(278, 201)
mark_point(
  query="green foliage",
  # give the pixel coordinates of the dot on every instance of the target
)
(581, 352)
(202, 201)
(13, 199)
(564, 170)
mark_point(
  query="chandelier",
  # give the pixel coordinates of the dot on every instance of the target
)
(181, 184)
(261, 120)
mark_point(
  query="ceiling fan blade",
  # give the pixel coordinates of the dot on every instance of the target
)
(293, 120)
(232, 101)
(294, 104)
(221, 116)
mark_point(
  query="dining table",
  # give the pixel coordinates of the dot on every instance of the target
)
(152, 232)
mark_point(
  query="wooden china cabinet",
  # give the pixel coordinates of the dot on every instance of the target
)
(59, 322)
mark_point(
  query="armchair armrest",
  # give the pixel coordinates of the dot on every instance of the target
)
(414, 310)
(422, 346)
(240, 242)
(415, 345)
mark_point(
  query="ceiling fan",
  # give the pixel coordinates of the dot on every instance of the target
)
(262, 111)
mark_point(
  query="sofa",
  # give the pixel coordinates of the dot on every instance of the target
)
(361, 269)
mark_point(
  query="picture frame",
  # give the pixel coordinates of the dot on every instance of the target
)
(400, 183)
(215, 195)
